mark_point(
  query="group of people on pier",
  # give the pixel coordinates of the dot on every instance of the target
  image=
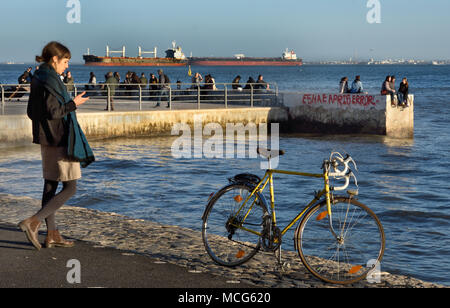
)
(132, 81)
(158, 86)
(398, 97)
(388, 88)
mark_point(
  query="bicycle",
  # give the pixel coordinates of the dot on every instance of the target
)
(339, 239)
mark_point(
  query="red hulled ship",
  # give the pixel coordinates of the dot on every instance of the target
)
(289, 58)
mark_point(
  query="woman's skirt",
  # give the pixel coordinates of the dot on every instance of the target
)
(56, 166)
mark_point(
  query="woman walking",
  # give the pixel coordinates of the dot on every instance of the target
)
(63, 144)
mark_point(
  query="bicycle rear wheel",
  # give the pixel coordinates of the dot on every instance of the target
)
(224, 236)
(358, 249)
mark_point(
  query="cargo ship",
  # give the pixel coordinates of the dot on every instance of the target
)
(289, 58)
(174, 57)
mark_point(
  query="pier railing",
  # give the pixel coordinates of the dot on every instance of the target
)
(145, 96)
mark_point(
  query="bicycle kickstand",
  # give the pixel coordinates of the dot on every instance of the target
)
(283, 267)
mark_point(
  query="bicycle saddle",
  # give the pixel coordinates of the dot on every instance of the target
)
(268, 153)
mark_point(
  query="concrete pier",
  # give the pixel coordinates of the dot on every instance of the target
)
(296, 113)
(16, 130)
(349, 114)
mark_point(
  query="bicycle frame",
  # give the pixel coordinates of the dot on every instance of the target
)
(268, 179)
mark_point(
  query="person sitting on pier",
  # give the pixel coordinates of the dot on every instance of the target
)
(261, 84)
(144, 80)
(210, 83)
(92, 79)
(386, 89)
(196, 80)
(91, 84)
(23, 79)
(235, 83)
(343, 86)
(117, 76)
(385, 85)
(17, 91)
(249, 84)
(213, 81)
(392, 83)
(135, 80)
(153, 82)
(357, 86)
(68, 80)
(30, 75)
(127, 81)
(26, 77)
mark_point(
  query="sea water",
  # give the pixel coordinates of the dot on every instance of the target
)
(404, 181)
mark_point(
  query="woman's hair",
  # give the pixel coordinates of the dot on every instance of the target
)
(53, 49)
(405, 81)
(388, 78)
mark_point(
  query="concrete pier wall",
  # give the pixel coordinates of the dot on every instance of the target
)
(348, 113)
(302, 113)
(15, 130)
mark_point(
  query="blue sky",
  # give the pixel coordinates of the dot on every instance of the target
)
(316, 30)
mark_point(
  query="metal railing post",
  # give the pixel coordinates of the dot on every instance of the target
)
(198, 97)
(277, 95)
(3, 99)
(109, 98)
(140, 98)
(251, 96)
(75, 90)
(226, 96)
(170, 98)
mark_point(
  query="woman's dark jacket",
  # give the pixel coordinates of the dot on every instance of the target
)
(47, 115)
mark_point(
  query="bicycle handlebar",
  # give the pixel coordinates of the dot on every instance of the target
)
(347, 181)
(336, 159)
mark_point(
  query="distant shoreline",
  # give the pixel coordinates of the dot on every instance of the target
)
(334, 63)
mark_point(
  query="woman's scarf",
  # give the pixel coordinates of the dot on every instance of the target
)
(78, 147)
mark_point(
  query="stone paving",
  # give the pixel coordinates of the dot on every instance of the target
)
(181, 246)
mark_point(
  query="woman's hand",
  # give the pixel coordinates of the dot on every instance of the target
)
(79, 100)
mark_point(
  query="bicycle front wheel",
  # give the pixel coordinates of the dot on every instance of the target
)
(357, 250)
(231, 229)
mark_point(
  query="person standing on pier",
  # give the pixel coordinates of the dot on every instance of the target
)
(403, 92)
(63, 144)
(111, 83)
(164, 86)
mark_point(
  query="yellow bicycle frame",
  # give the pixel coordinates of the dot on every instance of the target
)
(268, 178)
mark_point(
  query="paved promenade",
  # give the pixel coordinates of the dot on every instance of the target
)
(118, 245)
(21, 266)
